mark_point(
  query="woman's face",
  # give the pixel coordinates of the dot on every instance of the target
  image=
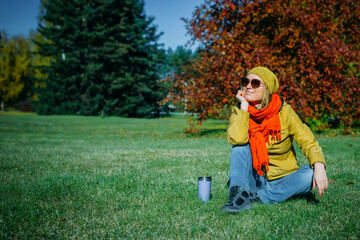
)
(254, 95)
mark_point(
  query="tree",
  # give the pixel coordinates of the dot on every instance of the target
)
(104, 58)
(178, 59)
(175, 63)
(16, 71)
(312, 46)
(38, 62)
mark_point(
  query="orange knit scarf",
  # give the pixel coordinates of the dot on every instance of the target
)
(263, 123)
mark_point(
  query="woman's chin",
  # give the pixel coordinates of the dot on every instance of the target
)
(253, 101)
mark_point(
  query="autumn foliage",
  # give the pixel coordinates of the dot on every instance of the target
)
(312, 46)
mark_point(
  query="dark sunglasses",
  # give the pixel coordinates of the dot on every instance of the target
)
(255, 83)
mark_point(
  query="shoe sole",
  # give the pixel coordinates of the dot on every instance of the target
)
(229, 210)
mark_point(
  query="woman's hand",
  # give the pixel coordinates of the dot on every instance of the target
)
(244, 104)
(320, 178)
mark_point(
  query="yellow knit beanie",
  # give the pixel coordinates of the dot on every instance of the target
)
(267, 76)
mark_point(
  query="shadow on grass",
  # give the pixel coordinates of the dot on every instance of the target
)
(309, 197)
(209, 133)
(206, 132)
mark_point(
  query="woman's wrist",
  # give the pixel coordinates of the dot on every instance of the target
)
(244, 106)
(319, 165)
(244, 109)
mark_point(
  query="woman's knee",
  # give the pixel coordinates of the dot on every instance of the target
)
(241, 153)
(309, 175)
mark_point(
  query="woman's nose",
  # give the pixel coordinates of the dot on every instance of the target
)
(247, 86)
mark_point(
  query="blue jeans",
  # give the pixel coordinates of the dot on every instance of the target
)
(244, 175)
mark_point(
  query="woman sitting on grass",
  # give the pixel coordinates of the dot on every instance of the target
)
(263, 166)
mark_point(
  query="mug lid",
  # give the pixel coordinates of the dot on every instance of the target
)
(204, 179)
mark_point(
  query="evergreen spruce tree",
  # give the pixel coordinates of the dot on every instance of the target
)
(104, 58)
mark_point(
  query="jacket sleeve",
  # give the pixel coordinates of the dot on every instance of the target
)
(238, 130)
(305, 139)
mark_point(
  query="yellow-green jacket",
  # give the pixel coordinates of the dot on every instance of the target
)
(282, 159)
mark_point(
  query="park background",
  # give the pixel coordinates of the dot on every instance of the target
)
(106, 156)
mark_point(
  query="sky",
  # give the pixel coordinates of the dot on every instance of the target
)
(20, 16)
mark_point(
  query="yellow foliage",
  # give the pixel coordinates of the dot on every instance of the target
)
(17, 72)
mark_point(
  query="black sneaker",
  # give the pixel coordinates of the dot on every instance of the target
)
(238, 201)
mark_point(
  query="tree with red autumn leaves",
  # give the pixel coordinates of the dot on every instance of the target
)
(312, 46)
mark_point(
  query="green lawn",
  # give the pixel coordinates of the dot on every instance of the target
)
(94, 178)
